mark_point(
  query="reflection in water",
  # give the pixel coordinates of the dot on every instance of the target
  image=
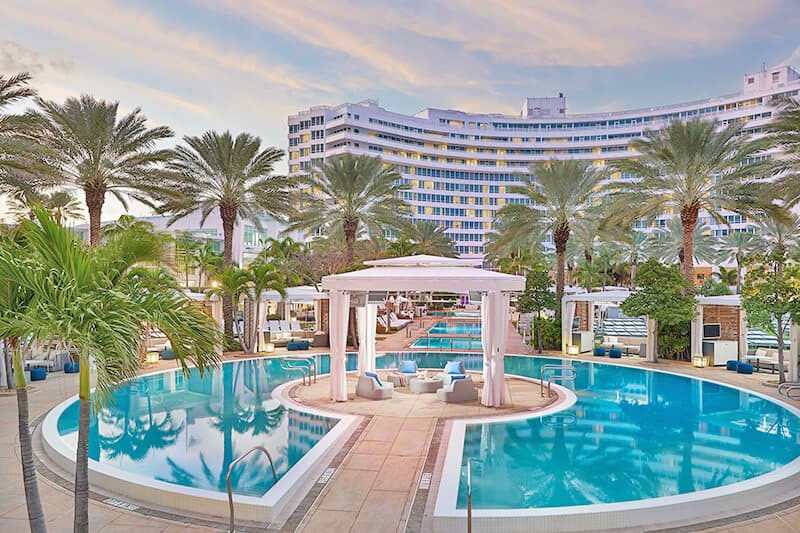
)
(634, 435)
(188, 430)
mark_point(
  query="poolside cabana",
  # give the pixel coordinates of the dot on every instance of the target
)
(582, 306)
(426, 274)
(726, 312)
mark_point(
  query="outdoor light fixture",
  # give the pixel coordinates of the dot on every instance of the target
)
(269, 347)
(699, 361)
(152, 358)
(572, 349)
(215, 284)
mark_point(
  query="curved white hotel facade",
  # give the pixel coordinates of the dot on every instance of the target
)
(459, 165)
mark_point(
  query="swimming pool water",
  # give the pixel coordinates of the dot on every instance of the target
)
(456, 328)
(633, 434)
(448, 343)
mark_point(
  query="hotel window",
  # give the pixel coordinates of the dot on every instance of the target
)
(776, 76)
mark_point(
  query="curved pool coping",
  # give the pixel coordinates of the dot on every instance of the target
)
(277, 501)
(666, 511)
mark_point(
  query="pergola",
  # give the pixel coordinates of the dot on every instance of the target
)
(422, 273)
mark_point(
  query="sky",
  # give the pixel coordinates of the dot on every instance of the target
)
(242, 65)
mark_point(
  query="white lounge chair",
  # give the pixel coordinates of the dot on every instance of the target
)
(398, 323)
(370, 386)
(459, 390)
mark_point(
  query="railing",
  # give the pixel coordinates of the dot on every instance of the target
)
(469, 495)
(310, 362)
(789, 390)
(569, 374)
(236, 461)
(304, 370)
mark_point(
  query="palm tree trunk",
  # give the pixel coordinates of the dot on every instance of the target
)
(36, 519)
(560, 236)
(95, 197)
(739, 259)
(81, 521)
(538, 319)
(689, 217)
(781, 374)
(228, 216)
(350, 241)
(8, 364)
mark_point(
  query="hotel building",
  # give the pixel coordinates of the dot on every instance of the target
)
(459, 165)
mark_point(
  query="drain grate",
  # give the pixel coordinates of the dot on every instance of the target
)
(120, 504)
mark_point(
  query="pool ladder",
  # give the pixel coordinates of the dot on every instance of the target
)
(789, 389)
(568, 374)
(236, 461)
(308, 367)
(469, 495)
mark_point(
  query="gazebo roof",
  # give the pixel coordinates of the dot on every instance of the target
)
(423, 273)
(730, 300)
(603, 296)
(302, 293)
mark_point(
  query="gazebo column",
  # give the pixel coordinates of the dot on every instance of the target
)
(652, 356)
(494, 332)
(366, 317)
(696, 335)
(794, 339)
(742, 334)
(337, 320)
(261, 317)
(567, 314)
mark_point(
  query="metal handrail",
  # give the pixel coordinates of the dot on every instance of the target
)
(469, 495)
(569, 375)
(787, 385)
(309, 360)
(304, 370)
(789, 389)
(236, 461)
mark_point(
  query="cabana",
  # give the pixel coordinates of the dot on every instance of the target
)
(303, 294)
(426, 274)
(582, 306)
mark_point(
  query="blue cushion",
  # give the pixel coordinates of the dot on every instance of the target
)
(168, 354)
(744, 368)
(732, 365)
(454, 367)
(38, 373)
(374, 376)
(615, 353)
(72, 367)
(456, 378)
(408, 367)
(599, 351)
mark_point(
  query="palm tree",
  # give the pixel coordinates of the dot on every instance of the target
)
(352, 193)
(263, 277)
(209, 261)
(633, 247)
(186, 248)
(401, 247)
(667, 244)
(728, 276)
(95, 304)
(232, 283)
(560, 192)
(234, 176)
(784, 132)
(780, 234)
(428, 237)
(735, 247)
(98, 152)
(60, 204)
(686, 168)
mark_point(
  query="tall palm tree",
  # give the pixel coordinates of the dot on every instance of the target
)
(99, 152)
(561, 192)
(209, 261)
(784, 132)
(430, 238)
(92, 301)
(633, 247)
(735, 247)
(231, 175)
(353, 193)
(689, 167)
(60, 204)
(781, 233)
(667, 244)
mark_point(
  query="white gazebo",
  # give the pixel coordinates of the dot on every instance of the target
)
(727, 313)
(422, 273)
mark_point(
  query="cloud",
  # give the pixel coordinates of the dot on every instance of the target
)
(17, 58)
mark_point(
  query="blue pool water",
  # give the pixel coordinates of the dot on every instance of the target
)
(458, 314)
(448, 343)
(456, 328)
(633, 434)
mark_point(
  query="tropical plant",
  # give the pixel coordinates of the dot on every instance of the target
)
(97, 305)
(520, 262)
(232, 283)
(714, 288)
(662, 297)
(536, 299)
(209, 261)
(60, 204)
(98, 152)
(429, 237)
(233, 176)
(263, 277)
(401, 247)
(667, 244)
(686, 168)
(186, 249)
(735, 247)
(560, 192)
(352, 193)
(784, 132)
(727, 276)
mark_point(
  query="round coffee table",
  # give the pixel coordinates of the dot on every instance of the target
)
(425, 385)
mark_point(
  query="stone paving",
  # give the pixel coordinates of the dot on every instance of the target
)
(371, 491)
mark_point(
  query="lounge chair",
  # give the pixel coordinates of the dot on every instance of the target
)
(398, 323)
(370, 386)
(461, 389)
(452, 370)
(382, 325)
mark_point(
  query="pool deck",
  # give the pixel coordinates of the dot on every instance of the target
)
(372, 490)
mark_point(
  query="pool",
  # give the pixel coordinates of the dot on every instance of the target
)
(448, 343)
(632, 436)
(456, 314)
(456, 328)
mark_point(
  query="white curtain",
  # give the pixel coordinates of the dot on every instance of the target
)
(260, 319)
(651, 338)
(742, 334)
(494, 313)
(794, 339)
(338, 317)
(567, 316)
(317, 315)
(697, 332)
(367, 316)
